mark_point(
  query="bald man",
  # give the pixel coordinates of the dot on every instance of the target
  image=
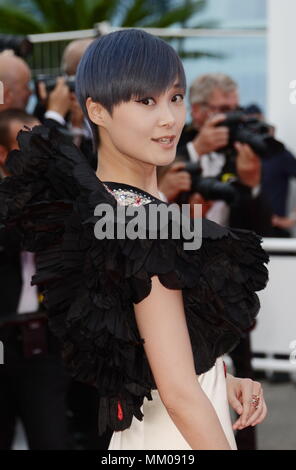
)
(15, 76)
(73, 53)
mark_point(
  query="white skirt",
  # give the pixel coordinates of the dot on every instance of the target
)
(157, 430)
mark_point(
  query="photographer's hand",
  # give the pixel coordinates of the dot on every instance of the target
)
(175, 181)
(59, 100)
(211, 137)
(248, 165)
(77, 117)
(42, 92)
(284, 222)
(196, 198)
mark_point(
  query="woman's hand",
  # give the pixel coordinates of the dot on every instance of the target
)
(240, 393)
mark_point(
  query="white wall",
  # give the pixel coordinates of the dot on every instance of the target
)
(281, 50)
(276, 322)
(281, 71)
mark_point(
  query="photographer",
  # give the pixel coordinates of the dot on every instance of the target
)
(278, 170)
(211, 96)
(57, 103)
(15, 76)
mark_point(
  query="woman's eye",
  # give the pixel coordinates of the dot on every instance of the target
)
(149, 101)
(145, 101)
(180, 96)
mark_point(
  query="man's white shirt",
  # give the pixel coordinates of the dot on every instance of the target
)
(211, 165)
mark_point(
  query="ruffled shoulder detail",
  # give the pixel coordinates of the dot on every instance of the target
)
(90, 285)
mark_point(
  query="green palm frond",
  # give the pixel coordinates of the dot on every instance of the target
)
(65, 15)
(200, 54)
(40, 16)
(137, 12)
(62, 16)
(15, 21)
(199, 5)
(176, 15)
(80, 14)
(43, 7)
(103, 10)
(210, 24)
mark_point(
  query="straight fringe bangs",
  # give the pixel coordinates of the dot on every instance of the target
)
(124, 65)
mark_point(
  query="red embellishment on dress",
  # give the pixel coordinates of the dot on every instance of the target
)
(225, 369)
(119, 412)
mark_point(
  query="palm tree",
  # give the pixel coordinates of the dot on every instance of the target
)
(43, 16)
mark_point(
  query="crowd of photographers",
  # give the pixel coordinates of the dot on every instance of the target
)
(228, 160)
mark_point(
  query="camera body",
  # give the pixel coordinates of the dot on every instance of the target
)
(210, 188)
(249, 130)
(242, 128)
(50, 82)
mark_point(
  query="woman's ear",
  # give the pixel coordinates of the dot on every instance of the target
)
(3, 155)
(96, 112)
(8, 96)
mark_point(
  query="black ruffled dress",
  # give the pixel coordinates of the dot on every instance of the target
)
(90, 285)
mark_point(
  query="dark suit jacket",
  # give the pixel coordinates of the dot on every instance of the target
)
(10, 272)
(14, 335)
(86, 144)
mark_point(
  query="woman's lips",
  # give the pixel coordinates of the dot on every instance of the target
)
(165, 143)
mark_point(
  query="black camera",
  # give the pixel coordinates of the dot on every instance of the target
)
(251, 131)
(50, 83)
(21, 45)
(210, 188)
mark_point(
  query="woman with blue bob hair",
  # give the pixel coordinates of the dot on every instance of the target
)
(144, 320)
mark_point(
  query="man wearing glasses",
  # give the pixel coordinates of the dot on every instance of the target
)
(210, 97)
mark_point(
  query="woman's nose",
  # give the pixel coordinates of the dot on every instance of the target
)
(166, 117)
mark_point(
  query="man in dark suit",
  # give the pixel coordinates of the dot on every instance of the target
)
(33, 382)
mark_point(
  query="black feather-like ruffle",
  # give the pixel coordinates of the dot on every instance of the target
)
(90, 285)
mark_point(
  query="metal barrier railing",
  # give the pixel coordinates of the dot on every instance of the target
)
(105, 28)
(48, 47)
(274, 337)
(280, 245)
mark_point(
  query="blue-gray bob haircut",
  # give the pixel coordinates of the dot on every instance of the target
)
(123, 65)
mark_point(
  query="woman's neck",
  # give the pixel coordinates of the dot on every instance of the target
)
(122, 169)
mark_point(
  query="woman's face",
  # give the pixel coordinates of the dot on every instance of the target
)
(136, 126)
